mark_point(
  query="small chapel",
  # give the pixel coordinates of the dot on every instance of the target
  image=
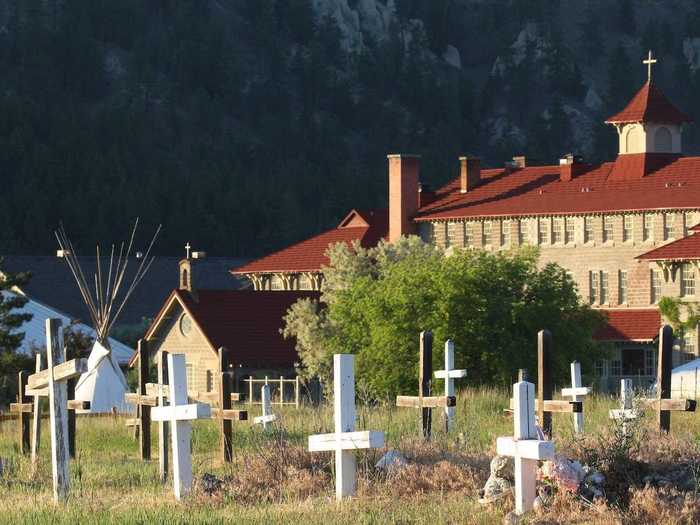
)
(625, 229)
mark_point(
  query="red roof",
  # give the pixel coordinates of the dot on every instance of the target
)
(368, 227)
(669, 182)
(650, 105)
(247, 323)
(685, 249)
(630, 324)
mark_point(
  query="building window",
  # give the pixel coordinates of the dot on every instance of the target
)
(627, 228)
(588, 229)
(468, 240)
(487, 233)
(189, 370)
(210, 381)
(593, 287)
(448, 234)
(522, 228)
(650, 362)
(647, 227)
(669, 225)
(505, 233)
(655, 286)
(304, 282)
(543, 231)
(687, 280)
(276, 283)
(615, 367)
(570, 230)
(603, 287)
(608, 234)
(601, 367)
(558, 230)
(622, 286)
(689, 345)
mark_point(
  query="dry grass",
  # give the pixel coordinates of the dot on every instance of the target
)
(273, 479)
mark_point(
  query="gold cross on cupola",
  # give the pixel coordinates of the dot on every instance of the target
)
(650, 61)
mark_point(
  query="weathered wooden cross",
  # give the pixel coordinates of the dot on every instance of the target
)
(544, 404)
(36, 420)
(345, 439)
(449, 374)
(143, 403)
(577, 392)
(54, 379)
(224, 412)
(424, 402)
(23, 407)
(626, 412)
(267, 415)
(663, 403)
(524, 446)
(180, 415)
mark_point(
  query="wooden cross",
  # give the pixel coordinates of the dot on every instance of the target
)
(664, 405)
(23, 407)
(54, 379)
(577, 392)
(163, 426)
(524, 447)
(267, 415)
(143, 403)
(423, 401)
(626, 412)
(649, 62)
(224, 412)
(345, 439)
(36, 420)
(449, 374)
(187, 250)
(180, 415)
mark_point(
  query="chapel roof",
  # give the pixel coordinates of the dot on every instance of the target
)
(246, 323)
(668, 182)
(649, 105)
(629, 324)
(366, 226)
(685, 249)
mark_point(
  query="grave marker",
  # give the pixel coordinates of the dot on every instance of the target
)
(345, 439)
(23, 408)
(143, 403)
(524, 447)
(267, 415)
(449, 374)
(626, 412)
(36, 419)
(576, 393)
(180, 415)
(424, 402)
(163, 426)
(664, 405)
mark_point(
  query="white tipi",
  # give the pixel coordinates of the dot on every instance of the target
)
(104, 384)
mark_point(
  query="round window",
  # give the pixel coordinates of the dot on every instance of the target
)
(185, 325)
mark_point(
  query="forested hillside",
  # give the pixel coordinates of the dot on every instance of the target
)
(243, 125)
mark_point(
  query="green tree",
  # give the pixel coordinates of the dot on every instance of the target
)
(376, 301)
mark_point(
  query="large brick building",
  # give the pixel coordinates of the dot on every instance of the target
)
(623, 229)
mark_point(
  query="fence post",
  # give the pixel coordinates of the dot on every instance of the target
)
(281, 390)
(250, 390)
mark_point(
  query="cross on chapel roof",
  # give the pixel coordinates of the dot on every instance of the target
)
(650, 61)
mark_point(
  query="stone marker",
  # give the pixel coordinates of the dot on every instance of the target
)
(449, 374)
(345, 439)
(577, 392)
(627, 412)
(180, 415)
(524, 447)
(267, 415)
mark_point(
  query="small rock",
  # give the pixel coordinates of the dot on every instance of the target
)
(211, 484)
(511, 518)
(538, 505)
(498, 484)
(391, 460)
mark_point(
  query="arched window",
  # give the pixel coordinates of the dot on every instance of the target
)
(663, 141)
(635, 140)
(184, 280)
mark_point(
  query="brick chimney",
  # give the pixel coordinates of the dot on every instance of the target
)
(520, 161)
(469, 173)
(403, 194)
(570, 166)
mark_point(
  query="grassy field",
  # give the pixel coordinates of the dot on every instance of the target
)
(274, 480)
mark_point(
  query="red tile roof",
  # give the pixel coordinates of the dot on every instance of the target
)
(670, 182)
(245, 322)
(368, 227)
(630, 324)
(685, 249)
(650, 105)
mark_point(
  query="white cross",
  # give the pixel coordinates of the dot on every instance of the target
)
(187, 249)
(649, 62)
(344, 440)
(267, 415)
(524, 446)
(626, 412)
(576, 393)
(449, 374)
(180, 416)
